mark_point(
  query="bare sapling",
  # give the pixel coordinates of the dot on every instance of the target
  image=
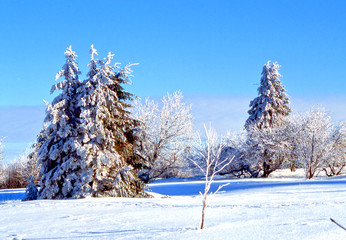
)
(210, 153)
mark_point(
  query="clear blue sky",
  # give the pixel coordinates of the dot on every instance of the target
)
(213, 51)
(213, 47)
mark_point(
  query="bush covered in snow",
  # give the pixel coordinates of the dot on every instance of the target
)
(317, 144)
(165, 135)
(31, 192)
(308, 140)
(14, 174)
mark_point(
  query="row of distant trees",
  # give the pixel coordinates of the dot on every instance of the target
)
(309, 141)
(273, 139)
(17, 173)
(100, 140)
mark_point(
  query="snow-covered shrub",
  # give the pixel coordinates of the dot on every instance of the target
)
(15, 173)
(12, 174)
(31, 191)
(316, 143)
(1, 150)
(165, 135)
(31, 168)
(266, 150)
(2, 176)
(27, 165)
(337, 163)
(1, 165)
(234, 149)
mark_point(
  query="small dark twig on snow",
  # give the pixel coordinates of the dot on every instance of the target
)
(337, 224)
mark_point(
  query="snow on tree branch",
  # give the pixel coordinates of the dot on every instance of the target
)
(165, 134)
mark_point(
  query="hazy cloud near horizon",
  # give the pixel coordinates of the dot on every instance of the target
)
(229, 113)
(20, 125)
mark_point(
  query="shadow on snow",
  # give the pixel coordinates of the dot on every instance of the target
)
(190, 187)
(186, 188)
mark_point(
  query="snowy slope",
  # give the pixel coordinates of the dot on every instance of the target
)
(246, 209)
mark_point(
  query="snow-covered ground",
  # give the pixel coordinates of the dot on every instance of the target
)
(274, 208)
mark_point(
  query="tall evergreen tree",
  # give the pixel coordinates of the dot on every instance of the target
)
(271, 106)
(127, 139)
(107, 129)
(80, 148)
(267, 115)
(63, 172)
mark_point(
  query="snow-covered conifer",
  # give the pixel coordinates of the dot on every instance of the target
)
(107, 131)
(60, 154)
(31, 191)
(267, 112)
(271, 106)
(86, 146)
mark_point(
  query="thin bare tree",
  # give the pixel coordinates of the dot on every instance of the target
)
(210, 151)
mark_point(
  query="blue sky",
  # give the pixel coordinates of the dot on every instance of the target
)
(208, 49)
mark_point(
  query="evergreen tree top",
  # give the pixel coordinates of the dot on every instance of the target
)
(269, 108)
(69, 71)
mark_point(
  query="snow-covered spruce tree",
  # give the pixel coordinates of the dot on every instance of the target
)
(267, 112)
(64, 173)
(165, 135)
(271, 106)
(84, 147)
(31, 191)
(108, 130)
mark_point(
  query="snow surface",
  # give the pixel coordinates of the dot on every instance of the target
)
(274, 208)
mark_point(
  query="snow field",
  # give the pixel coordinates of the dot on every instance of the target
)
(245, 209)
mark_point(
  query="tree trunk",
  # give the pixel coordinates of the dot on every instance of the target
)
(203, 211)
(266, 170)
